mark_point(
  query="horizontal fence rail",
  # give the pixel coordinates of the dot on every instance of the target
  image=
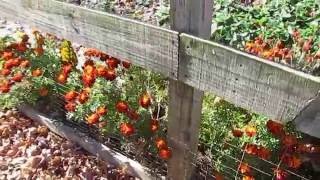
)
(253, 83)
(145, 45)
(261, 86)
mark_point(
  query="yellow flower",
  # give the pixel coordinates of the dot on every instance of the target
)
(67, 53)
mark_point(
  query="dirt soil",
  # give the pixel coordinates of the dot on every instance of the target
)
(30, 151)
(143, 10)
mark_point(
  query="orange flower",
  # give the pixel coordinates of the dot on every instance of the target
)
(249, 46)
(101, 111)
(16, 62)
(247, 177)
(258, 40)
(22, 47)
(165, 154)
(89, 70)
(237, 132)
(37, 72)
(83, 97)
(70, 106)
(307, 45)
(7, 55)
(66, 69)
(289, 141)
(62, 78)
(17, 77)
(122, 107)
(145, 100)
(39, 51)
(244, 168)
(43, 91)
(288, 57)
(218, 176)
(8, 64)
(154, 125)
(161, 143)
(126, 64)
(112, 63)
(268, 54)
(93, 118)
(251, 149)
(275, 128)
(5, 72)
(25, 64)
(88, 80)
(126, 129)
(110, 75)
(88, 62)
(70, 96)
(92, 52)
(293, 161)
(101, 71)
(5, 88)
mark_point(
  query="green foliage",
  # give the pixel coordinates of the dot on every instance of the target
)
(275, 19)
(108, 5)
(27, 91)
(163, 14)
(218, 119)
(128, 87)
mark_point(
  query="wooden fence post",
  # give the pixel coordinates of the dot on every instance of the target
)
(192, 17)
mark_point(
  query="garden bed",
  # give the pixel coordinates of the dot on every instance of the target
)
(125, 107)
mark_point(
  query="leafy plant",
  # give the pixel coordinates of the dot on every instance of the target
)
(272, 22)
(163, 14)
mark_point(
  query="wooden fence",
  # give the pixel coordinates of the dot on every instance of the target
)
(193, 65)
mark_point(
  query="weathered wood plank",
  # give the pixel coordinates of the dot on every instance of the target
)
(145, 45)
(185, 103)
(89, 144)
(261, 86)
(308, 120)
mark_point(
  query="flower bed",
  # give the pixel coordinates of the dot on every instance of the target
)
(85, 86)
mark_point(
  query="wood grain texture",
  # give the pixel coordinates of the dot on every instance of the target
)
(192, 17)
(261, 86)
(185, 103)
(145, 45)
(89, 144)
